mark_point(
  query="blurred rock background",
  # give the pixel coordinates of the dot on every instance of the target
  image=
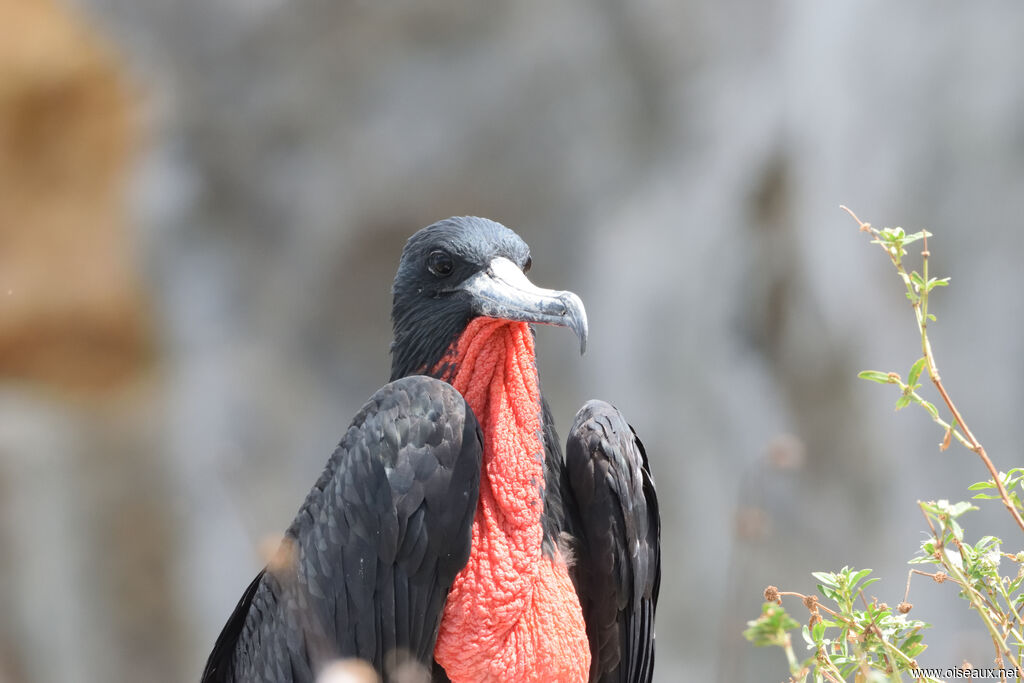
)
(202, 205)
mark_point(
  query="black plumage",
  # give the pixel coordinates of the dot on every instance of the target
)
(367, 564)
(616, 533)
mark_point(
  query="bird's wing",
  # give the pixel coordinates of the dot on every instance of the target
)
(613, 518)
(367, 564)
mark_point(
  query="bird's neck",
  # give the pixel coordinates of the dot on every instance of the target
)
(495, 370)
(512, 613)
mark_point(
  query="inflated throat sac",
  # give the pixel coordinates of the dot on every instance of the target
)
(512, 613)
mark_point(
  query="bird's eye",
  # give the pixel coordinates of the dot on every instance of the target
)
(440, 263)
(528, 264)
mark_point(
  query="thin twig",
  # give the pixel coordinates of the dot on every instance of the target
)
(921, 312)
(977, 448)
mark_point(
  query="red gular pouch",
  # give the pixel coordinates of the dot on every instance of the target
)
(512, 613)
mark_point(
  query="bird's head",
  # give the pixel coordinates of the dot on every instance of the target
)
(461, 268)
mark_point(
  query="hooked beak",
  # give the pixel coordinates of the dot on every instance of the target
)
(503, 291)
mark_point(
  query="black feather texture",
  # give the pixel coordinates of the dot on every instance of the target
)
(614, 521)
(366, 566)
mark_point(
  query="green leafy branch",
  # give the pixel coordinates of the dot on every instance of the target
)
(918, 287)
(867, 641)
(855, 638)
(975, 569)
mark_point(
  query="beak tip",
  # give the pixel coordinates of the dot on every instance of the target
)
(579, 321)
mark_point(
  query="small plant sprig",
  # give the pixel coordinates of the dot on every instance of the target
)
(918, 287)
(854, 638)
(975, 569)
(876, 643)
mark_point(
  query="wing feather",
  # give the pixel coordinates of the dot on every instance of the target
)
(613, 518)
(367, 564)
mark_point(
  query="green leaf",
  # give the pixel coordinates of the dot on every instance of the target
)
(914, 650)
(856, 578)
(770, 628)
(911, 641)
(869, 582)
(888, 235)
(960, 508)
(826, 578)
(830, 593)
(977, 486)
(930, 407)
(915, 371)
(903, 401)
(875, 376)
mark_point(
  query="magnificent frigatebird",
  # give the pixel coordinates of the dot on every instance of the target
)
(447, 528)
